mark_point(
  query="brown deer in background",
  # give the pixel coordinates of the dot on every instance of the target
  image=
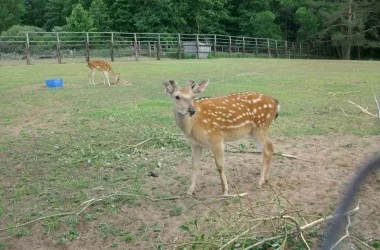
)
(103, 66)
(209, 122)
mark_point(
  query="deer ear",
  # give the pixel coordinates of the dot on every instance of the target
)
(200, 87)
(191, 84)
(170, 86)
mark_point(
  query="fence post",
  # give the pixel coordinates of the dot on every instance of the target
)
(58, 49)
(278, 56)
(27, 49)
(197, 46)
(149, 49)
(179, 46)
(269, 54)
(229, 46)
(158, 48)
(286, 49)
(87, 48)
(112, 47)
(243, 46)
(256, 49)
(135, 47)
(214, 45)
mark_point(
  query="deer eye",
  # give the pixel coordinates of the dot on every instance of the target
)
(177, 97)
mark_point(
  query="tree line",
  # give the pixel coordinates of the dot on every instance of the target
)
(349, 28)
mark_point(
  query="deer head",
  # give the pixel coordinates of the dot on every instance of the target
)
(183, 97)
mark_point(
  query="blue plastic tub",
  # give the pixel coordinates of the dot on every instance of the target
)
(54, 83)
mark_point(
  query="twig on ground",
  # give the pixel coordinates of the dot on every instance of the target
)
(263, 241)
(344, 236)
(342, 93)
(328, 218)
(41, 218)
(256, 152)
(377, 104)
(95, 200)
(365, 244)
(240, 235)
(298, 229)
(364, 110)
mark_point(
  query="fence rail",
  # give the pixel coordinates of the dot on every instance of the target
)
(65, 46)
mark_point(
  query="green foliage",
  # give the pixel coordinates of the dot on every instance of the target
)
(19, 30)
(35, 11)
(156, 16)
(205, 16)
(11, 12)
(122, 13)
(80, 20)
(100, 15)
(3, 245)
(177, 211)
(341, 24)
(53, 15)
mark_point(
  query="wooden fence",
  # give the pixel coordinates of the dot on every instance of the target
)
(68, 45)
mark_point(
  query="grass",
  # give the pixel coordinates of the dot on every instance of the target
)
(60, 147)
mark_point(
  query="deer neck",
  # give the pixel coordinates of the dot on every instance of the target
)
(183, 122)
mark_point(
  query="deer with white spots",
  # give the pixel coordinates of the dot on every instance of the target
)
(103, 66)
(210, 122)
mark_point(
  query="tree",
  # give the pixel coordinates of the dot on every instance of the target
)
(256, 19)
(345, 24)
(309, 25)
(11, 12)
(35, 11)
(122, 12)
(53, 15)
(158, 16)
(205, 16)
(80, 20)
(100, 15)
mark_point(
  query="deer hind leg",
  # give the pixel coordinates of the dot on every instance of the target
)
(218, 151)
(266, 147)
(196, 158)
(106, 77)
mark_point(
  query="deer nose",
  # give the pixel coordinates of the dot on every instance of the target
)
(191, 111)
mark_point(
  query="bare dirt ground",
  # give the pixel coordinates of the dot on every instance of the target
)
(313, 183)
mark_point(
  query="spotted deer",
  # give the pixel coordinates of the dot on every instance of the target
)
(103, 66)
(210, 122)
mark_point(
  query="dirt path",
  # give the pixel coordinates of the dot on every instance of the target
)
(313, 183)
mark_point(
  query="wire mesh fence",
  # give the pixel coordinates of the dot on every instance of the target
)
(61, 47)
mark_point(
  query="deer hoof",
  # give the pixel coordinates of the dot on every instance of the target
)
(190, 193)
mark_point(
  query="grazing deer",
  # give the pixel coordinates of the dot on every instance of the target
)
(209, 122)
(103, 66)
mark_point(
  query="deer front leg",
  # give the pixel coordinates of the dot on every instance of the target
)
(195, 162)
(106, 77)
(218, 151)
(91, 77)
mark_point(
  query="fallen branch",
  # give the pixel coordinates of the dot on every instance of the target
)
(257, 152)
(344, 236)
(364, 110)
(328, 218)
(87, 203)
(342, 93)
(41, 218)
(377, 104)
(301, 228)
